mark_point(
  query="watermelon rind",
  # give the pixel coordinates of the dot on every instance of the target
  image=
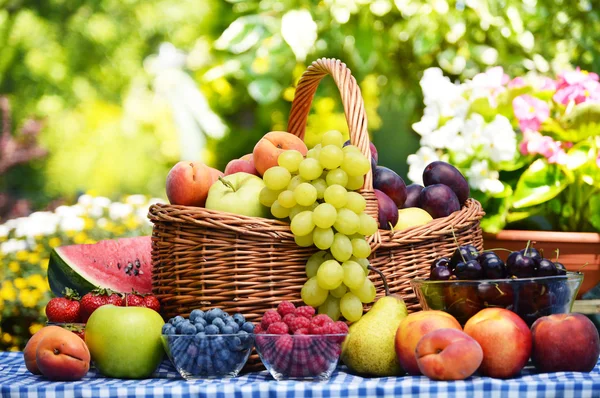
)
(61, 275)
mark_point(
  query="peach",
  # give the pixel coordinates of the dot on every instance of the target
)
(505, 340)
(448, 354)
(188, 183)
(410, 331)
(62, 355)
(244, 164)
(269, 147)
(31, 347)
(565, 342)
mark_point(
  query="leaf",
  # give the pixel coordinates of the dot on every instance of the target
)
(539, 183)
(482, 106)
(581, 115)
(579, 155)
(241, 35)
(506, 98)
(595, 211)
(264, 91)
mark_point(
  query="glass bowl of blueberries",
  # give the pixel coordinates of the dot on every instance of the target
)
(526, 283)
(208, 345)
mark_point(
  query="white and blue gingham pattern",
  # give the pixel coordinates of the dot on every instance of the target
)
(16, 381)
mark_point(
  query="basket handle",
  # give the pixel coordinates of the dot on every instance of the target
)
(354, 106)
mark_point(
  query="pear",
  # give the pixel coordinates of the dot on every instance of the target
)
(369, 346)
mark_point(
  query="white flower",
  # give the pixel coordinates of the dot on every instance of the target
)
(502, 139)
(142, 215)
(482, 178)
(299, 31)
(13, 245)
(440, 92)
(418, 161)
(85, 200)
(429, 121)
(446, 136)
(72, 223)
(4, 230)
(473, 134)
(119, 210)
(101, 201)
(102, 222)
(38, 223)
(135, 200)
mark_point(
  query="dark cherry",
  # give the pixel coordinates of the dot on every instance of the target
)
(483, 255)
(470, 270)
(496, 294)
(440, 262)
(517, 265)
(545, 267)
(440, 273)
(531, 252)
(534, 301)
(560, 268)
(493, 268)
(462, 302)
(463, 254)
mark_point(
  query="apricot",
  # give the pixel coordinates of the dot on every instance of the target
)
(188, 183)
(62, 355)
(31, 347)
(448, 354)
(412, 329)
(271, 145)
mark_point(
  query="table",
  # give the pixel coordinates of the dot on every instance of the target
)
(16, 381)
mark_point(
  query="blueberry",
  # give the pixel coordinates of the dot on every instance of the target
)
(211, 329)
(188, 328)
(196, 314)
(217, 344)
(202, 341)
(223, 355)
(200, 321)
(213, 314)
(166, 328)
(234, 326)
(179, 327)
(218, 322)
(199, 328)
(178, 319)
(226, 329)
(239, 319)
(234, 344)
(248, 327)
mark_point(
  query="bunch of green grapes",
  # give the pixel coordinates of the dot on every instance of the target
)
(316, 193)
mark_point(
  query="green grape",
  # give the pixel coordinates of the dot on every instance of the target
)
(351, 307)
(337, 177)
(336, 195)
(310, 169)
(320, 185)
(366, 293)
(368, 225)
(330, 275)
(355, 182)
(290, 159)
(350, 149)
(331, 307)
(302, 224)
(355, 164)
(339, 291)
(294, 182)
(322, 237)
(314, 152)
(267, 196)
(305, 194)
(313, 262)
(354, 276)
(331, 157)
(332, 137)
(286, 199)
(277, 178)
(312, 294)
(279, 211)
(304, 241)
(356, 202)
(364, 263)
(347, 222)
(324, 215)
(341, 248)
(360, 248)
(299, 209)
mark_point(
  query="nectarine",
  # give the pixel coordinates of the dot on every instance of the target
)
(448, 354)
(244, 164)
(505, 339)
(410, 331)
(271, 145)
(188, 183)
(62, 355)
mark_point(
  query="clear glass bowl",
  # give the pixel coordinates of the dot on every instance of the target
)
(208, 357)
(530, 298)
(77, 328)
(300, 357)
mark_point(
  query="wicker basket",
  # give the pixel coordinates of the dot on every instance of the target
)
(205, 258)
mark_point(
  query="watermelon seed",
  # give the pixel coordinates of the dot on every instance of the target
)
(137, 263)
(119, 265)
(135, 272)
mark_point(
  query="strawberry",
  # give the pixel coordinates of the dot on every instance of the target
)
(150, 301)
(97, 298)
(134, 299)
(65, 309)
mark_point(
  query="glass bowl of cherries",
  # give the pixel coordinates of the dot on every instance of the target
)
(527, 283)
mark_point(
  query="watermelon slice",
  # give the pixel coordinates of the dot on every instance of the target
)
(118, 264)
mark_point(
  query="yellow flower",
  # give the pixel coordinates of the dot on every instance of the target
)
(90, 241)
(132, 223)
(44, 264)
(33, 258)
(8, 292)
(120, 230)
(22, 255)
(6, 338)
(54, 242)
(14, 266)
(20, 283)
(89, 223)
(37, 281)
(34, 327)
(80, 238)
(14, 348)
(29, 297)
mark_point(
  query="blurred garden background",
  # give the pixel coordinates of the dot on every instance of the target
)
(99, 99)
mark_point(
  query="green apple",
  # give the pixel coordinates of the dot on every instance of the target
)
(125, 342)
(237, 193)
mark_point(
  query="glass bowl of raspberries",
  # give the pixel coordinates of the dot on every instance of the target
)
(295, 344)
(208, 345)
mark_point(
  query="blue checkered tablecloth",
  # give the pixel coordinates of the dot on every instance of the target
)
(16, 381)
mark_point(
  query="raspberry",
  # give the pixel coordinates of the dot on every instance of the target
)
(258, 329)
(302, 331)
(342, 327)
(288, 319)
(305, 311)
(321, 320)
(284, 344)
(285, 307)
(270, 316)
(327, 328)
(278, 328)
(299, 322)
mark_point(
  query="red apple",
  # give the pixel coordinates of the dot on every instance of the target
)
(245, 164)
(448, 354)
(565, 342)
(505, 340)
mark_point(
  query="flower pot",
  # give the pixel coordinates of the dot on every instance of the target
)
(578, 251)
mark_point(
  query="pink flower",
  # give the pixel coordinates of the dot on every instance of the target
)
(530, 112)
(517, 82)
(535, 143)
(598, 159)
(578, 86)
(545, 83)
